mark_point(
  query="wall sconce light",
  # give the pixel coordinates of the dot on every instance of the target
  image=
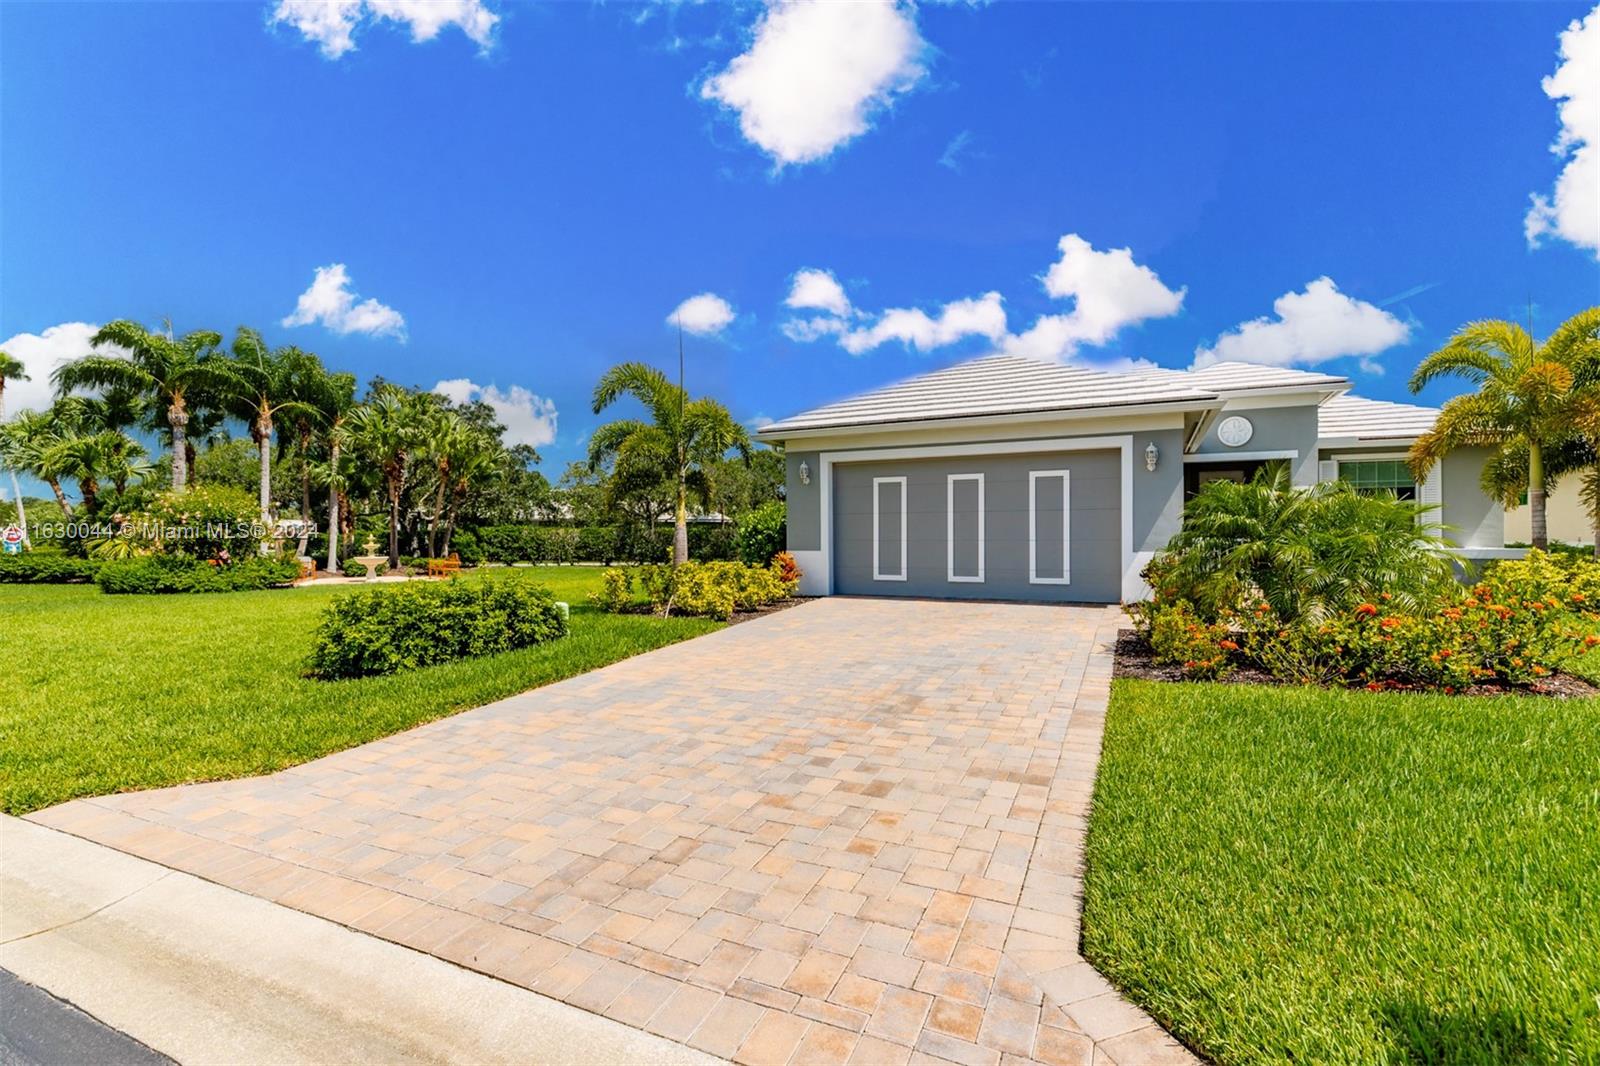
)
(1152, 455)
(805, 473)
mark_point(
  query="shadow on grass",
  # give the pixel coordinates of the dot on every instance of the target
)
(1450, 1037)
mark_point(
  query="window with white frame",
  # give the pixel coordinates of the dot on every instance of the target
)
(1372, 476)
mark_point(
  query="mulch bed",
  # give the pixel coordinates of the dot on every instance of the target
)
(1134, 659)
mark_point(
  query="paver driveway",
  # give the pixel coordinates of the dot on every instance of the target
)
(849, 831)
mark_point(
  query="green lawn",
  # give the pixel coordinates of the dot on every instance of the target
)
(1288, 875)
(108, 693)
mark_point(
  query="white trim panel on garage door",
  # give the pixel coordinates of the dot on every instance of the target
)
(950, 528)
(1133, 587)
(878, 573)
(1034, 577)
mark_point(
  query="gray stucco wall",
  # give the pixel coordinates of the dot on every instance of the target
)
(1158, 493)
(1476, 521)
(1275, 429)
(1095, 536)
(804, 502)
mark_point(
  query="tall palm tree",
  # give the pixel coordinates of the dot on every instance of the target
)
(1527, 402)
(11, 369)
(333, 397)
(683, 438)
(26, 440)
(83, 450)
(477, 458)
(258, 385)
(385, 432)
(163, 367)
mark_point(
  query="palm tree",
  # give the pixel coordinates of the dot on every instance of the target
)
(84, 450)
(333, 397)
(477, 458)
(258, 386)
(26, 440)
(385, 432)
(164, 368)
(1526, 402)
(683, 438)
(11, 369)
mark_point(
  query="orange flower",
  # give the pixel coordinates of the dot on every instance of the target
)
(1577, 597)
(1367, 609)
(1229, 645)
(1591, 640)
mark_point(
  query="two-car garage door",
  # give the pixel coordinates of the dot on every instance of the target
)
(1027, 527)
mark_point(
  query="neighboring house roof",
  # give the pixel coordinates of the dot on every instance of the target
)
(1357, 418)
(996, 385)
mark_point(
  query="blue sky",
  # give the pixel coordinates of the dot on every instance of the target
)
(526, 196)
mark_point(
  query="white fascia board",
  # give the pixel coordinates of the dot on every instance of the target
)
(980, 422)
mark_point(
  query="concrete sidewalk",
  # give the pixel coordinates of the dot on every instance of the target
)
(203, 973)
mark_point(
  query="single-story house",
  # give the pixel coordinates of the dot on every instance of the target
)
(1007, 478)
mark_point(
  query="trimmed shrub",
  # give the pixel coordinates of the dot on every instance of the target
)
(713, 590)
(46, 566)
(349, 568)
(201, 523)
(180, 573)
(417, 624)
(464, 543)
(616, 591)
(1571, 580)
(763, 533)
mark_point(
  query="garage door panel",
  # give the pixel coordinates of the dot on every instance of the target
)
(941, 544)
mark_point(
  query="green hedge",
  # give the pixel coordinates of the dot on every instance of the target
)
(763, 533)
(45, 566)
(381, 631)
(596, 544)
(180, 573)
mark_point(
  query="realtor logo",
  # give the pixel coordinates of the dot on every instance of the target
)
(11, 539)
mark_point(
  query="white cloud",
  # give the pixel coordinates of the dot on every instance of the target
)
(41, 354)
(817, 72)
(818, 290)
(702, 315)
(1108, 289)
(1313, 326)
(1574, 213)
(1109, 292)
(332, 24)
(528, 418)
(959, 319)
(330, 302)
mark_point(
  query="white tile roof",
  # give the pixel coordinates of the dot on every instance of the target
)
(1358, 418)
(995, 385)
(1007, 384)
(1242, 377)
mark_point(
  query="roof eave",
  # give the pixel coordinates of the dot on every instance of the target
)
(778, 432)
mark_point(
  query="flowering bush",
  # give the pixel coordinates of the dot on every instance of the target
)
(1200, 649)
(202, 522)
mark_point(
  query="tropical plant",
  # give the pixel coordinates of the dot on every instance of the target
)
(333, 396)
(1530, 400)
(385, 432)
(164, 368)
(1305, 552)
(25, 443)
(682, 440)
(11, 369)
(258, 385)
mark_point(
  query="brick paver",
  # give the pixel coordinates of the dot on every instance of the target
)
(848, 832)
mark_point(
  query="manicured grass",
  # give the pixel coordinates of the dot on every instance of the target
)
(108, 693)
(1286, 875)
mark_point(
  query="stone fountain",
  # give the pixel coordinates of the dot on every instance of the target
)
(371, 559)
